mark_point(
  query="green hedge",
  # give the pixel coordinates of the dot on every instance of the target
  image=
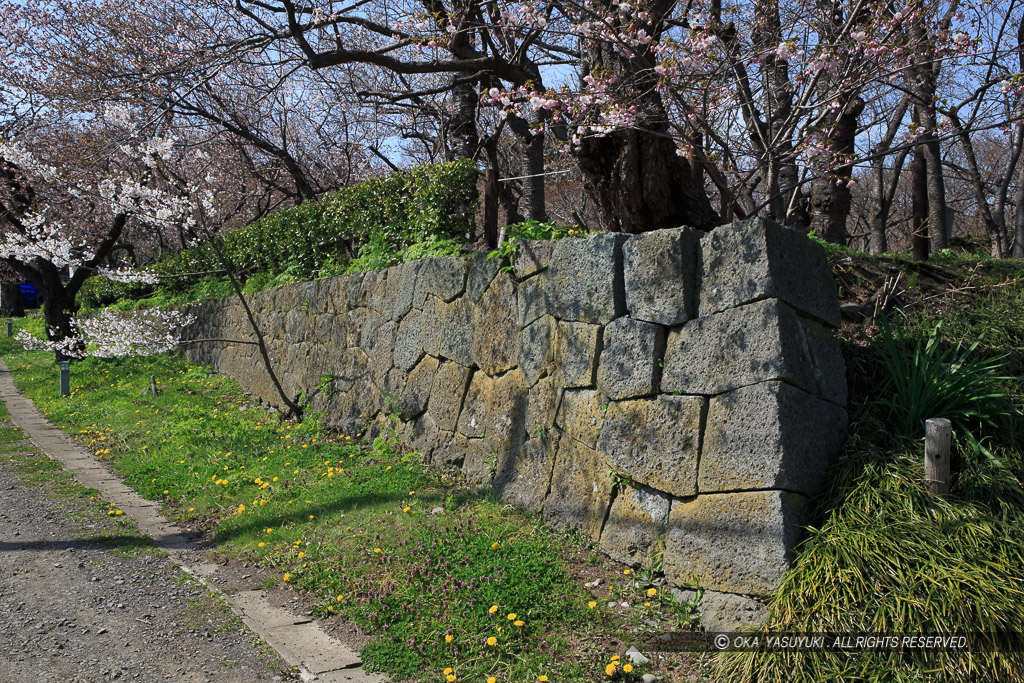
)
(402, 208)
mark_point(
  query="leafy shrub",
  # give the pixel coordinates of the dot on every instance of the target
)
(392, 211)
(531, 230)
(97, 292)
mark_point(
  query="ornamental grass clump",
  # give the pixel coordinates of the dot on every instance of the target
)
(891, 559)
(928, 377)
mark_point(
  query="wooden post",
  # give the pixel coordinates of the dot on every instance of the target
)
(937, 434)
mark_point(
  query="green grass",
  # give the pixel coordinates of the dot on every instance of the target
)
(351, 521)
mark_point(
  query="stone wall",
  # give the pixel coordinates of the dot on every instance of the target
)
(673, 394)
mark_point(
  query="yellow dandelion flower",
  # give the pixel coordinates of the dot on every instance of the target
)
(447, 671)
(652, 591)
(610, 669)
(592, 604)
(492, 679)
(287, 577)
(495, 545)
(376, 550)
(627, 571)
(627, 668)
(450, 678)
(518, 622)
(493, 609)
(262, 544)
(449, 638)
(542, 679)
(492, 641)
(406, 508)
(512, 616)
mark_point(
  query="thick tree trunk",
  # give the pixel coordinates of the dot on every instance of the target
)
(636, 179)
(534, 201)
(462, 130)
(830, 193)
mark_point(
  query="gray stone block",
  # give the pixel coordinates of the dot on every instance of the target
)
(726, 613)
(581, 489)
(631, 359)
(382, 356)
(827, 364)
(454, 331)
(369, 322)
(576, 350)
(361, 289)
(531, 257)
(495, 410)
(535, 351)
(531, 302)
(758, 259)
(446, 394)
(479, 465)
(409, 342)
(524, 476)
(444, 278)
(770, 436)
(656, 442)
(734, 542)
(450, 450)
(384, 296)
(758, 342)
(421, 435)
(636, 522)
(416, 394)
(543, 399)
(481, 271)
(581, 415)
(408, 273)
(496, 337)
(337, 293)
(585, 279)
(660, 272)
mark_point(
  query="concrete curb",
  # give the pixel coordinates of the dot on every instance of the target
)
(299, 641)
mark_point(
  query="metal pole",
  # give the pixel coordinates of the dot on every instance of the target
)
(10, 327)
(65, 378)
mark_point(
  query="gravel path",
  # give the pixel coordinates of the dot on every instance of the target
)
(75, 611)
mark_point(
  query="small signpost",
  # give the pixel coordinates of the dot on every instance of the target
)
(937, 434)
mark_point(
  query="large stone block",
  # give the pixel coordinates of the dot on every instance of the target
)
(382, 355)
(759, 342)
(450, 450)
(660, 273)
(734, 542)
(444, 278)
(542, 407)
(531, 257)
(535, 350)
(581, 415)
(408, 273)
(581, 489)
(585, 279)
(361, 289)
(446, 394)
(480, 462)
(495, 410)
(416, 394)
(409, 342)
(726, 613)
(337, 292)
(363, 324)
(631, 358)
(421, 435)
(496, 337)
(656, 442)
(531, 302)
(524, 475)
(454, 331)
(384, 296)
(577, 346)
(758, 259)
(481, 271)
(770, 436)
(636, 523)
